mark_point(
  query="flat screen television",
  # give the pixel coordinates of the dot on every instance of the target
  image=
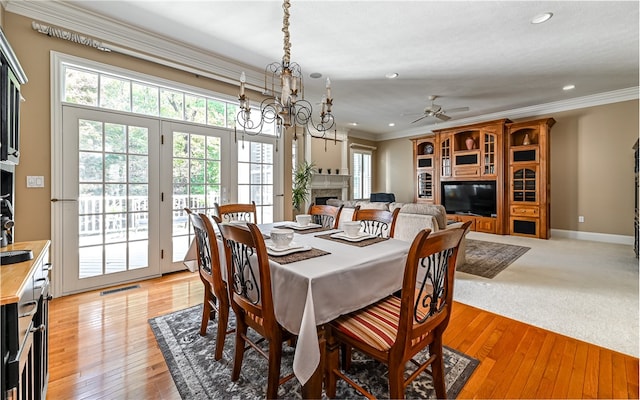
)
(472, 198)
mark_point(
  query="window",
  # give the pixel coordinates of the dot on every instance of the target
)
(361, 167)
(103, 90)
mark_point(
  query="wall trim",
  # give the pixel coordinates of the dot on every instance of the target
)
(593, 236)
(615, 96)
(128, 40)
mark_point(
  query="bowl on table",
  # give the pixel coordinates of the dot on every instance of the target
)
(281, 238)
(351, 228)
(303, 219)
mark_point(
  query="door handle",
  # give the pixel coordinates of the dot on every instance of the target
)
(279, 195)
(56, 200)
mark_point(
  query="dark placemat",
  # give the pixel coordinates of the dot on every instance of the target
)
(362, 243)
(304, 231)
(299, 256)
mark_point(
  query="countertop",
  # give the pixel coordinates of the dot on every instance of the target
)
(14, 276)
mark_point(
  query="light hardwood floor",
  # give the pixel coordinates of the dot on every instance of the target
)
(101, 347)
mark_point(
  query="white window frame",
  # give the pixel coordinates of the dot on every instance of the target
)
(354, 152)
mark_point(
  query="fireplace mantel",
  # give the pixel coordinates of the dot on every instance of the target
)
(330, 185)
(329, 181)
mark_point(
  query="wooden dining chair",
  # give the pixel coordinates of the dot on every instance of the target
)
(394, 329)
(325, 215)
(216, 295)
(252, 300)
(238, 211)
(380, 223)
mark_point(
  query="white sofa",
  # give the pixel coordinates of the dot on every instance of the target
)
(412, 219)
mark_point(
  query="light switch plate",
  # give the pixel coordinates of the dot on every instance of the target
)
(35, 181)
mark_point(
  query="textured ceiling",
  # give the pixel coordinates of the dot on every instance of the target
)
(484, 55)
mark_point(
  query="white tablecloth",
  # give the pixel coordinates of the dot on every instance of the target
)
(312, 292)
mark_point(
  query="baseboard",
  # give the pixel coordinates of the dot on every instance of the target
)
(596, 237)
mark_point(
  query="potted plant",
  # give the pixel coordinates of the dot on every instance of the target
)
(301, 184)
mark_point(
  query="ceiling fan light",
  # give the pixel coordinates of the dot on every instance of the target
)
(540, 18)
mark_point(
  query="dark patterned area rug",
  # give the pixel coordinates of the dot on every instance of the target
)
(197, 375)
(488, 259)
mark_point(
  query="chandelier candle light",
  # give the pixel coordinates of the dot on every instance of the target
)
(283, 109)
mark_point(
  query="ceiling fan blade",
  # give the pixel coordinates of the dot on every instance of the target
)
(443, 117)
(424, 116)
(458, 109)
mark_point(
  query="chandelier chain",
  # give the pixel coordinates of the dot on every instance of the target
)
(285, 106)
(285, 29)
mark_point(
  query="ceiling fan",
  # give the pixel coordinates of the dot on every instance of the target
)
(435, 110)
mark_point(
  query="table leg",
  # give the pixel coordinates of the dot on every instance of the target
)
(313, 388)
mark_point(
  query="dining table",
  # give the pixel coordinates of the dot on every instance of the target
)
(329, 276)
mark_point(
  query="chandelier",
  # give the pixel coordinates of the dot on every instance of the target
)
(285, 105)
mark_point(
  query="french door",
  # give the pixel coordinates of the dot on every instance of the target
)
(108, 198)
(195, 174)
(126, 181)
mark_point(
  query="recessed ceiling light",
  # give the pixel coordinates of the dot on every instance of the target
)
(391, 75)
(569, 87)
(392, 124)
(353, 123)
(538, 19)
(315, 75)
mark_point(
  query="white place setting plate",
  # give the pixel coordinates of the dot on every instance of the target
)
(293, 247)
(361, 236)
(294, 225)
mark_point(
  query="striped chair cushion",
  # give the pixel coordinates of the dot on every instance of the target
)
(375, 325)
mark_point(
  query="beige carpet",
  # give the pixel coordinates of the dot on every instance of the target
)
(583, 289)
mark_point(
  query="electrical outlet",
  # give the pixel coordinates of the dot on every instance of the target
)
(580, 218)
(35, 181)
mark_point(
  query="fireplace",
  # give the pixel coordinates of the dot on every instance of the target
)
(324, 187)
(321, 201)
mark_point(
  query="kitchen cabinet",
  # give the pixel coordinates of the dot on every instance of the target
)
(11, 77)
(24, 318)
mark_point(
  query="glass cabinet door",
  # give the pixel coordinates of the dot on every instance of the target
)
(489, 162)
(524, 185)
(445, 157)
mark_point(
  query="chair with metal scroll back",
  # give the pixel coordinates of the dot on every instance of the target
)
(237, 212)
(216, 295)
(380, 223)
(249, 275)
(325, 215)
(395, 329)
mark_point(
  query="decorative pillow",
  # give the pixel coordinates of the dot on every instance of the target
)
(436, 210)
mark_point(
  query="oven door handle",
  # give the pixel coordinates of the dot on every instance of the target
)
(34, 309)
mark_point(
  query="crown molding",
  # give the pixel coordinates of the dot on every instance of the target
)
(126, 39)
(616, 96)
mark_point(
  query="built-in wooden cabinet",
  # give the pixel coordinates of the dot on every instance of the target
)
(508, 160)
(528, 180)
(473, 153)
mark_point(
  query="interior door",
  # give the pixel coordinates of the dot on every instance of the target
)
(108, 198)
